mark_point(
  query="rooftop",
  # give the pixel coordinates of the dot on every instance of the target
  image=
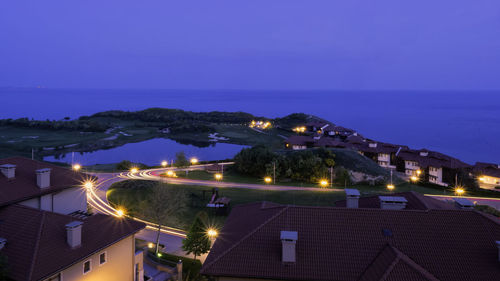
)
(24, 185)
(36, 240)
(357, 244)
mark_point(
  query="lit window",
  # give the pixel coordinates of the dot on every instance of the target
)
(102, 258)
(87, 267)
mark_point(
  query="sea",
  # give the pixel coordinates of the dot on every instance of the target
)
(463, 124)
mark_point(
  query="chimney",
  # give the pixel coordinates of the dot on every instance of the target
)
(392, 202)
(3, 241)
(498, 246)
(424, 153)
(8, 170)
(464, 203)
(372, 144)
(74, 234)
(43, 178)
(288, 240)
(352, 198)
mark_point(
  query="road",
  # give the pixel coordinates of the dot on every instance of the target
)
(172, 237)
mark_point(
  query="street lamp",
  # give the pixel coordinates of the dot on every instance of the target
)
(268, 179)
(134, 170)
(194, 161)
(76, 167)
(459, 191)
(414, 179)
(212, 233)
(164, 163)
(218, 176)
(390, 187)
(419, 172)
(120, 213)
(88, 185)
(323, 183)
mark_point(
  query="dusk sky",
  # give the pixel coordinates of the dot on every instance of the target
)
(258, 44)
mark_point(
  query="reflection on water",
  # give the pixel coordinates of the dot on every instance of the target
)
(150, 152)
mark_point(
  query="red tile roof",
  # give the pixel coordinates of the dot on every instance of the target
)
(24, 185)
(36, 240)
(416, 201)
(350, 244)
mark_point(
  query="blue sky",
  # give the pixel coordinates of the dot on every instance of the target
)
(258, 44)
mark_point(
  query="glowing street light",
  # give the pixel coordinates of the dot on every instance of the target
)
(170, 173)
(414, 179)
(151, 245)
(194, 161)
(323, 183)
(390, 187)
(482, 179)
(76, 167)
(164, 163)
(218, 176)
(120, 213)
(212, 233)
(134, 170)
(268, 179)
(88, 185)
(419, 172)
(459, 191)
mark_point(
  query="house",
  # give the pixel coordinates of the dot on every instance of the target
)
(382, 153)
(266, 241)
(487, 174)
(432, 166)
(338, 131)
(299, 142)
(47, 234)
(317, 126)
(41, 186)
(42, 245)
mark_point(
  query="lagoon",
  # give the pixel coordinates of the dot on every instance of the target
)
(150, 152)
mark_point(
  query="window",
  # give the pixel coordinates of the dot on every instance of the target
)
(87, 267)
(102, 258)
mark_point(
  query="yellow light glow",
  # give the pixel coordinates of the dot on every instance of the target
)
(88, 185)
(482, 179)
(134, 170)
(212, 233)
(151, 245)
(323, 183)
(268, 179)
(120, 213)
(414, 178)
(459, 191)
(77, 167)
(218, 176)
(419, 172)
(390, 186)
(164, 163)
(194, 161)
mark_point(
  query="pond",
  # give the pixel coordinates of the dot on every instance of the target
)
(150, 152)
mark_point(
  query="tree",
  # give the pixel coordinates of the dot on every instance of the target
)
(181, 160)
(197, 242)
(162, 203)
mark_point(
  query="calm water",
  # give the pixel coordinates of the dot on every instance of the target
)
(151, 152)
(462, 124)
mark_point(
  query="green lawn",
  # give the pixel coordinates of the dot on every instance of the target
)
(129, 194)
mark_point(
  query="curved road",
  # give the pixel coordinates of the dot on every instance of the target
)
(172, 237)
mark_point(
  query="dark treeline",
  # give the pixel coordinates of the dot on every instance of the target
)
(177, 115)
(71, 125)
(305, 165)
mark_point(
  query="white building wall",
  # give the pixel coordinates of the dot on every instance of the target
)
(70, 200)
(438, 173)
(411, 167)
(120, 263)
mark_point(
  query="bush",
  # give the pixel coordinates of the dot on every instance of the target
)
(190, 267)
